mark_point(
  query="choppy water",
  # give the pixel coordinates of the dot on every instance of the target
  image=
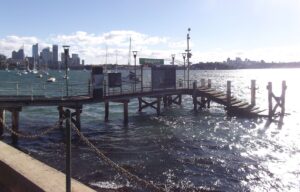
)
(180, 150)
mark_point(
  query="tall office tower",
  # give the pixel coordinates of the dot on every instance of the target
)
(55, 55)
(35, 51)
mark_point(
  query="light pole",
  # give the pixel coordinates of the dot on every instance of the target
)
(66, 51)
(189, 55)
(134, 55)
(173, 59)
(183, 56)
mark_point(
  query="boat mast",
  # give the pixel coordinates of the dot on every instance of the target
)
(129, 54)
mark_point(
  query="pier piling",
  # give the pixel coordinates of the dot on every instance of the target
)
(202, 98)
(15, 125)
(228, 93)
(60, 114)
(209, 86)
(158, 106)
(78, 121)
(270, 92)
(2, 116)
(253, 92)
(283, 90)
(106, 111)
(125, 112)
(194, 95)
(140, 104)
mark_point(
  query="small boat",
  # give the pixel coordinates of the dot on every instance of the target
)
(51, 79)
(34, 71)
(39, 75)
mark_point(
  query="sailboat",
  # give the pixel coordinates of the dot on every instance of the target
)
(34, 71)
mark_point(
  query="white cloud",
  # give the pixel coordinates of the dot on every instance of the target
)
(92, 47)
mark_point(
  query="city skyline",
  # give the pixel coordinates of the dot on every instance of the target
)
(256, 30)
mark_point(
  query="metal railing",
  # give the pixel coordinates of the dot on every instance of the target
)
(137, 87)
(44, 90)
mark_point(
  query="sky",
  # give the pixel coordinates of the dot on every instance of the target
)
(254, 29)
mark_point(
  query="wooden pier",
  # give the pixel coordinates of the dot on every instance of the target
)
(202, 94)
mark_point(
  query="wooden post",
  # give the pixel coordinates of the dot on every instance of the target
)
(158, 106)
(209, 83)
(179, 99)
(2, 116)
(126, 112)
(140, 104)
(202, 82)
(169, 100)
(165, 101)
(15, 125)
(106, 111)
(78, 122)
(60, 114)
(209, 86)
(283, 89)
(253, 92)
(228, 93)
(202, 98)
(269, 87)
(194, 95)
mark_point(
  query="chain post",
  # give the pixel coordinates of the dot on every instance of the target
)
(68, 150)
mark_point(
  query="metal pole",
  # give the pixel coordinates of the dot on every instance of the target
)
(66, 51)
(188, 55)
(68, 151)
(141, 78)
(135, 72)
(67, 82)
(183, 55)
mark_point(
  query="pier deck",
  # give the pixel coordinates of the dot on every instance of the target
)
(233, 105)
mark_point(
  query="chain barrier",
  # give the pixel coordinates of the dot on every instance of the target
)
(32, 136)
(115, 166)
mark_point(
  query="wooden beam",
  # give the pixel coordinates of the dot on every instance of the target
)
(147, 104)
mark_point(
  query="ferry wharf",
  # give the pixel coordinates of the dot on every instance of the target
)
(163, 90)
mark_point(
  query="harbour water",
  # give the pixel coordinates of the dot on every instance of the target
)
(181, 150)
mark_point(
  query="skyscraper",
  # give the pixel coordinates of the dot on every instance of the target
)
(55, 55)
(35, 51)
(46, 56)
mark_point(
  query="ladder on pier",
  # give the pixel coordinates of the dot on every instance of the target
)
(233, 105)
